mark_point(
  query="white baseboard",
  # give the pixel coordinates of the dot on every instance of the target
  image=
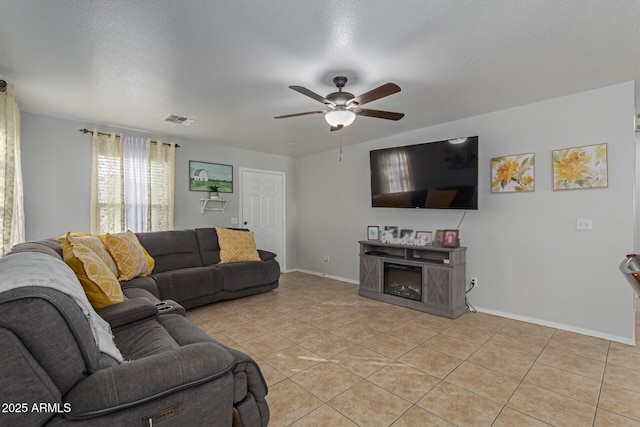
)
(568, 328)
(328, 276)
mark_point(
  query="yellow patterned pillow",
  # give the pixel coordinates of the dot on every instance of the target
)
(236, 246)
(71, 234)
(99, 283)
(96, 245)
(130, 257)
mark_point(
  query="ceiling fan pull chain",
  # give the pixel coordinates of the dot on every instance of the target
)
(340, 147)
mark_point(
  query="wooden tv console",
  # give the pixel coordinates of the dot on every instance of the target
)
(443, 275)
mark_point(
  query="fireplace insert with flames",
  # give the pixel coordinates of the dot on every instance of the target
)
(403, 281)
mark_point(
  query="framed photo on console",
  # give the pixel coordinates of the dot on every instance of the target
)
(406, 233)
(450, 239)
(424, 238)
(392, 231)
(373, 232)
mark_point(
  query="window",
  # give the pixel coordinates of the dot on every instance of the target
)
(132, 184)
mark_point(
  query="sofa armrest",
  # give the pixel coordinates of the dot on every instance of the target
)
(128, 311)
(148, 283)
(266, 255)
(132, 383)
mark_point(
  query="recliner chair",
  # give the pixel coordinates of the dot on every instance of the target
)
(53, 373)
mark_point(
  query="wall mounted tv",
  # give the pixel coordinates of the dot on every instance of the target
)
(435, 175)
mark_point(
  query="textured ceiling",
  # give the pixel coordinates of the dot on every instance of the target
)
(128, 63)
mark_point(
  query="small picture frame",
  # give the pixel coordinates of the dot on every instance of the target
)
(424, 238)
(406, 233)
(439, 237)
(373, 232)
(450, 239)
(392, 231)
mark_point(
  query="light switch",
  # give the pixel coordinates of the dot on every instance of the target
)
(584, 224)
(234, 220)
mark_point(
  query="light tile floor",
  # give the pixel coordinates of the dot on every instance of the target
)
(332, 358)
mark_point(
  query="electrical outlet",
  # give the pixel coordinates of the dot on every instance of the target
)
(326, 258)
(474, 282)
(584, 224)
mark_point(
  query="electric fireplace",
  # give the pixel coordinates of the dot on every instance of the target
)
(403, 280)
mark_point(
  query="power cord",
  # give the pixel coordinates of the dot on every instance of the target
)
(470, 307)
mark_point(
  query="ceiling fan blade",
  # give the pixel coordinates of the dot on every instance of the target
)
(377, 93)
(388, 115)
(311, 94)
(334, 128)
(300, 114)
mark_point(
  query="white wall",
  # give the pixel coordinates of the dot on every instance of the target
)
(56, 161)
(187, 205)
(524, 248)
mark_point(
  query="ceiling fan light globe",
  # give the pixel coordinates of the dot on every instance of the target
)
(340, 117)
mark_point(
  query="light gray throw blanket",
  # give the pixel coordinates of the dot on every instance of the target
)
(37, 269)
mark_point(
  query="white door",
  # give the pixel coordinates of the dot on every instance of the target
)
(262, 209)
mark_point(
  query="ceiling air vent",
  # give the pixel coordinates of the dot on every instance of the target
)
(179, 120)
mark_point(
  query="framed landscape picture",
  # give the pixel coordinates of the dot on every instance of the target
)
(580, 167)
(514, 173)
(202, 175)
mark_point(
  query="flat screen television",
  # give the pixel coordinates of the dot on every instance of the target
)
(433, 175)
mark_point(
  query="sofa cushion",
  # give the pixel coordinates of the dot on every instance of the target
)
(208, 245)
(99, 283)
(171, 250)
(236, 246)
(130, 257)
(188, 284)
(144, 340)
(241, 275)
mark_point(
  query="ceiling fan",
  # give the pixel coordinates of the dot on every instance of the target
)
(343, 107)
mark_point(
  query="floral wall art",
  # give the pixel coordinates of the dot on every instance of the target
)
(513, 173)
(580, 167)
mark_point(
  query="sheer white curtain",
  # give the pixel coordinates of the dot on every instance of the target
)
(11, 196)
(136, 183)
(132, 184)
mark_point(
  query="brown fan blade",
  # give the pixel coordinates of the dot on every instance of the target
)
(377, 93)
(334, 128)
(388, 115)
(300, 114)
(311, 94)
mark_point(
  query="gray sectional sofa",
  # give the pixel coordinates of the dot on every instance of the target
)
(170, 372)
(187, 270)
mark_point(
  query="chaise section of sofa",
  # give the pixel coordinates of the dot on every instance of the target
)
(239, 279)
